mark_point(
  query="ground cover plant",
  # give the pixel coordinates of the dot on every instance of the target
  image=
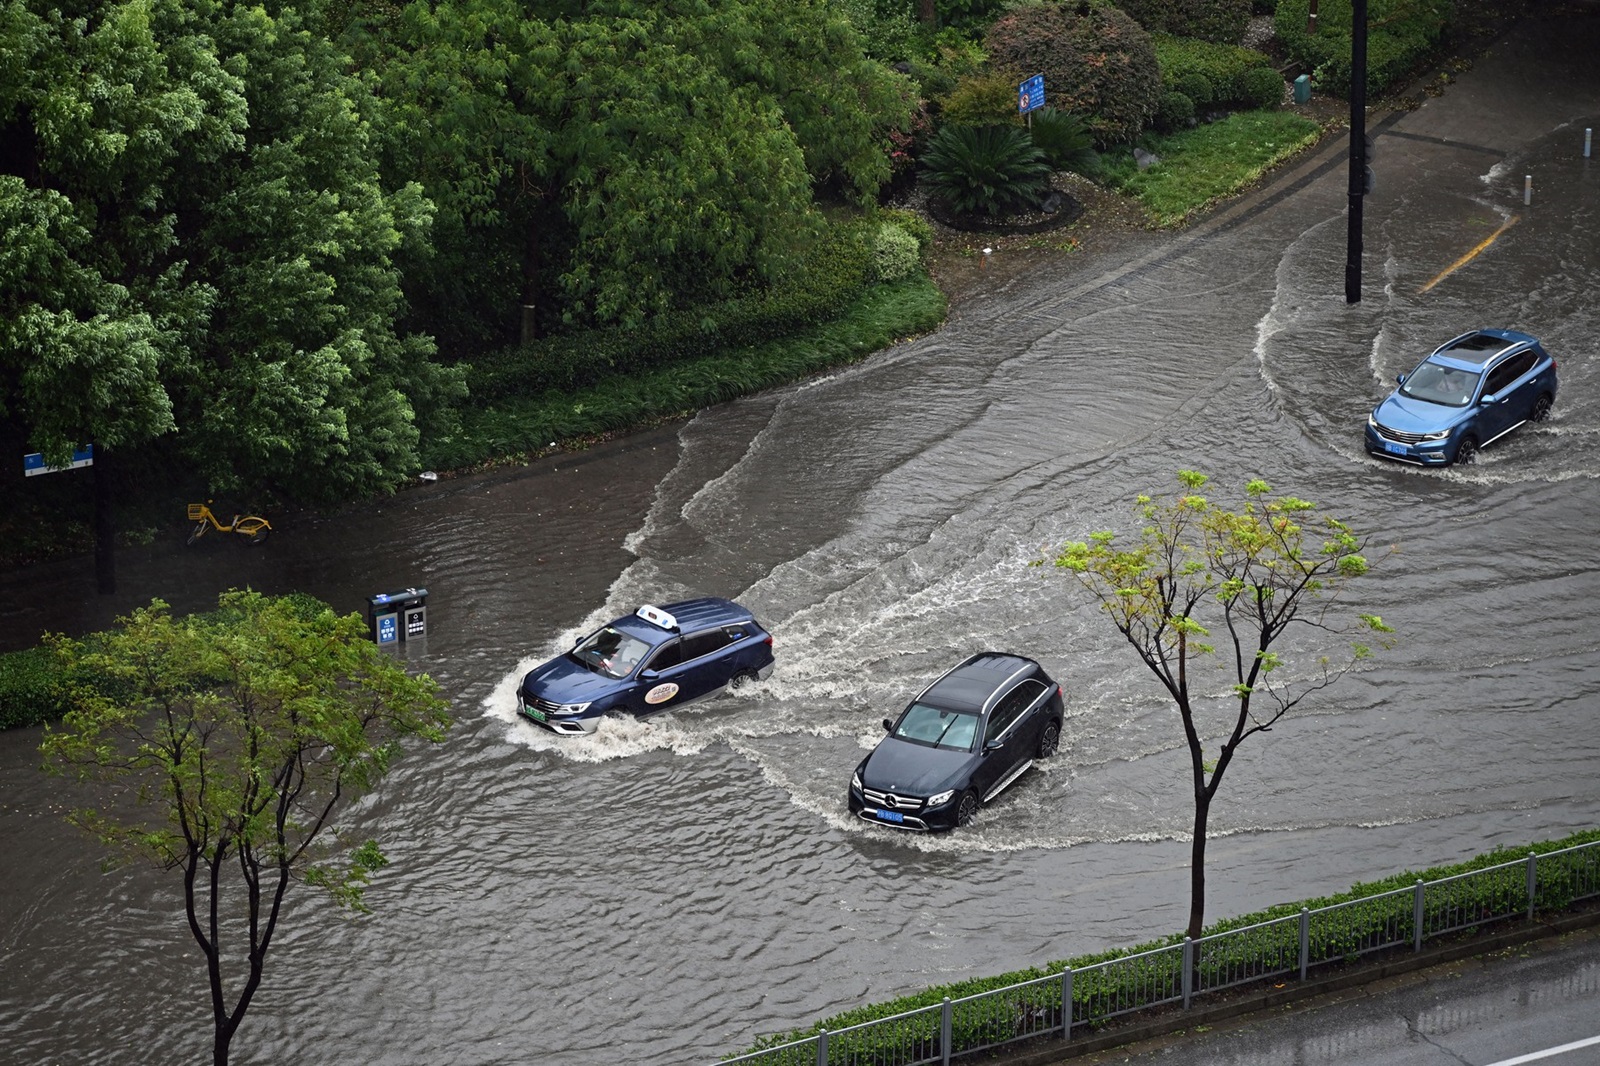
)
(1200, 166)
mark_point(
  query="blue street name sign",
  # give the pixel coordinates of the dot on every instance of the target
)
(35, 464)
(1030, 94)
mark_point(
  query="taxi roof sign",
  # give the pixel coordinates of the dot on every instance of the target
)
(656, 616)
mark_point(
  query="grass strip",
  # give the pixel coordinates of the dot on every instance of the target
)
(1200, 166)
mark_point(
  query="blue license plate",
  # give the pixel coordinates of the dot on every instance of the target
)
(891, 816)
(1396, 449)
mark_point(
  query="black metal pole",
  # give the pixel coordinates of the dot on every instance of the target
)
(1358, 147)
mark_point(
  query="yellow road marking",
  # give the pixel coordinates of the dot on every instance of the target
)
(1464, 260)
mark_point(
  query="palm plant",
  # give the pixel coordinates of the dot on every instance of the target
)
(985, 170)
(1065, 140)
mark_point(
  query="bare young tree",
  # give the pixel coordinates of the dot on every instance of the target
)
(227, 744)
(1198, 576)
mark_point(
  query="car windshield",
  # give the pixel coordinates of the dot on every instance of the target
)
(937, 727)
(1437, 383)
(611, 652)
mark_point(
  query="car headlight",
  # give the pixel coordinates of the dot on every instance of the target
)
(1372, 421)
(571, 708)
(855, 781)
(1443, 434)
(941, 798)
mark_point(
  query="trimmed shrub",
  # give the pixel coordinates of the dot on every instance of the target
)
(1223, 65)
(1176, 112)
(1218, 21)
(1262, 88)
(912, 224)
(1096, 61)
(1196, 86)
(1065, 141)
(1400, 35)
(31, 690)
(985, 170)
(895, 253)
(986, 99)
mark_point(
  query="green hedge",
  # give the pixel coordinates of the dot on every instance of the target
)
(1225, 67)
(1333, 936)
(1401, 34)
(30, 689)
(832, 275)
(521, 424)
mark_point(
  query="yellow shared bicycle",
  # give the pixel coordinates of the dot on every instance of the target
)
(249, 526)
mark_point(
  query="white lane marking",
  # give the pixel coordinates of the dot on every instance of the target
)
(1534, 1056)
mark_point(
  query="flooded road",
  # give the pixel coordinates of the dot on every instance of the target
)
(669, 889)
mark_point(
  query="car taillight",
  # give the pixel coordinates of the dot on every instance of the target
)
(769, 640)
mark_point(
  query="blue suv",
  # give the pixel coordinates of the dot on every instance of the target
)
(1468, 394)
(652, 660)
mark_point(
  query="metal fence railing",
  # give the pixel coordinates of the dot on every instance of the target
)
(1290, 946)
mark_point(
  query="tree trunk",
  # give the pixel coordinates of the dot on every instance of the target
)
(1197, 866)
(530, 282)
(105, 526)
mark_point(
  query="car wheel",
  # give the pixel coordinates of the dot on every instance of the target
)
(1467, 452)
(1541, 408)
(967, 808)
(740, 680)
(1049, 739)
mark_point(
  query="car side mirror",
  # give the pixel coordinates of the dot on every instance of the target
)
(1399, 379)
(648, 676)
(888, 726)
(1488, 399)
(991, 745)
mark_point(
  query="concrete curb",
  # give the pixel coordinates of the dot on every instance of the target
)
(1542, 931)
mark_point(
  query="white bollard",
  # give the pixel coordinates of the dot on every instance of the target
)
(1527, 189)
(1588, 136)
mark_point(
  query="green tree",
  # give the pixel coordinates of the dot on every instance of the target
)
(99, 115)
(1253, 574)
(603, 162)
(196, 244)
(231, 741)
(302, 382)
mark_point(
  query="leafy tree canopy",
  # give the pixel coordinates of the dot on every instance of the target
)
(626, 158)
(230, 743)
(197, 243)
(1255, 586)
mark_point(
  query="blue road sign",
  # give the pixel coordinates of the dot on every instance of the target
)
(1030, 94)
(34, 463)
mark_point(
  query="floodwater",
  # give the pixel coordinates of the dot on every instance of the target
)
(669, 889)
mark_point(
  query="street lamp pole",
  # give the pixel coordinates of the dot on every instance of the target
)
(1358, 147)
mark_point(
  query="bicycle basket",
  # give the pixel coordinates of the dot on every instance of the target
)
(197, 512)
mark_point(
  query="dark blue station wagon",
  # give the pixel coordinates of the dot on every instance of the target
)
(652, 660)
